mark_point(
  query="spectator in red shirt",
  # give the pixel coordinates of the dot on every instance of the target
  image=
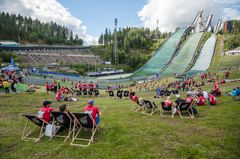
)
(59, 96)
(93, 111)
(47, 87)
(84, 86)
(212, 99)
(201, 100)
(188, 99)
(168, 102)
(45, 112)
(91, 86)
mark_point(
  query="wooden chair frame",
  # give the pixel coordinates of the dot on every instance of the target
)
(78, 126)
(149, 105)
(164, 110)
(61, 125)
(189, 110)
(38, 122)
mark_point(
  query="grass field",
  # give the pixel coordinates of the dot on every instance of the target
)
(214, 133)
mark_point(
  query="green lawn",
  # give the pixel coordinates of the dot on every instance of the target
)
(214, 133)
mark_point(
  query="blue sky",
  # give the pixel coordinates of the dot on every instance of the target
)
(89, 18)
(99, 14)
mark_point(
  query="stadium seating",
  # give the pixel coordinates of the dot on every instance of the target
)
(49, 57)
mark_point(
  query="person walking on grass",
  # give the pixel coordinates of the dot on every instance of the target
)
(6, 85)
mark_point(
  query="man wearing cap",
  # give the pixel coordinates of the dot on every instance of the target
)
(93, 110)
(45, 112)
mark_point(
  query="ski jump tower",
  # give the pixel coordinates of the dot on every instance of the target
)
(198, 25)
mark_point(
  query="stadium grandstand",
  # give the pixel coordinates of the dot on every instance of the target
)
(50, 55)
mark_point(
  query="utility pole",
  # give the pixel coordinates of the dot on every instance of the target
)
(115, 43)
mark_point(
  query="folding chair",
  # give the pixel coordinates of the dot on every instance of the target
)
(119, 94)
(90, 92)
(83, 120)
(96, 93)
(79, 93)
(62, 121)
(84, 92)
(162, 92)
(111, 93)
(168, 109)
(187, 108)
(139, 106)
(167, 93)
(38, 123)
(150, 106)
(126, 94)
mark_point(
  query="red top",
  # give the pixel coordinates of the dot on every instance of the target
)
(84, 86)
(93, 110)
(168, 103)
(134, 98)
(46, 86)
(59, 94)
(91, 85)
(212, 99)
(201, 100)
(46, 112)
(79, 85)
(189, 100)
(216, 87)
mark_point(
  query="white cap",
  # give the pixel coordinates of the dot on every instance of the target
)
(177, 95)
(168, 97)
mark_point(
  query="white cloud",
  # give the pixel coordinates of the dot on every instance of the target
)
(179, 13)
(46, 11)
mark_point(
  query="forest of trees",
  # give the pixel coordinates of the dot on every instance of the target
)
(135, 45)
(232, 39)
(25, 29)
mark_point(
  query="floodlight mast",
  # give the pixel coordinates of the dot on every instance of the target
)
(116, 60)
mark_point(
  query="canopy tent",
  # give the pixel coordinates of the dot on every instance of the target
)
(10, 68)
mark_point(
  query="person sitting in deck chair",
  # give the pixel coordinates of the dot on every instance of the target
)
(168, 102)
(45, 112)
(93, 110)
(179, 102)
(189, 98)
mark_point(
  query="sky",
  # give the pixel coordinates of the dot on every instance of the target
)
(89, 18)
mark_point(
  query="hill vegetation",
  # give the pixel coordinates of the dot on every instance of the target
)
(232, 39)
(25, 29)
(135, 45)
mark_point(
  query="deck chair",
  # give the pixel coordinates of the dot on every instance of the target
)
(83, 120)
(84, 92)
(139, 106)
(111, 93)
(119, 94)
(79, 93)
(166, 109)
(150, 106)
(90, 93)
(167, 93)
(62, 121)
(38, 122)
(162, 92)
(96, 93)
(186, 108)
(126, 94)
